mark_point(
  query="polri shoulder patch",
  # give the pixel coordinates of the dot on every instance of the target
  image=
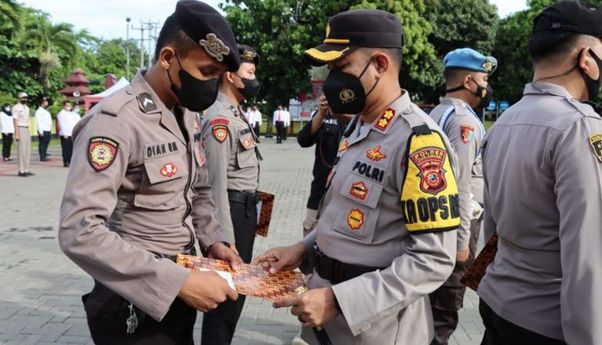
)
(429, 195)
(146, 102)
(220, 132)
(102, 152)
(596, 142)
(467, 134)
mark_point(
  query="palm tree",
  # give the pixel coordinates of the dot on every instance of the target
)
(51, 39)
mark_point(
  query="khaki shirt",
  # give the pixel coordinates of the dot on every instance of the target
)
(21, 114)
(232, 154)
(362, 222)
(542, 164)
(136, 186)
(466, 133)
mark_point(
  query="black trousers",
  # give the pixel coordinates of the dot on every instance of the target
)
(43, 145)
(219, 324)
(280, 131)
(7, 142)
(67, 148)
(107, 313)
(449, 298)
(499, 331)
(256, 129)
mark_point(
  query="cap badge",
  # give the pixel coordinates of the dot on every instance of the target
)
(347, 95)
(248, 56)
(215, 47)
(489, 65)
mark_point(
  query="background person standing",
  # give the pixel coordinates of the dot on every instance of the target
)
(8, 129)
(287, 122)
(67, 119)
(43, 126)
(278, 120)
(22, 135)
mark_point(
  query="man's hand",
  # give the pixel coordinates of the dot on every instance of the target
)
(314, 308)
(462, 255)
(222, 252)
(282, 258)
(205, 290)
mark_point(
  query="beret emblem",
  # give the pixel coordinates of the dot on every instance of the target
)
(215, 47)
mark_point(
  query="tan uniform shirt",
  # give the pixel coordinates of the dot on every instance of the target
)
(465, 132)
(136, 186)
(543, 196)
(21, 114)
(362, 221)
(232, 155)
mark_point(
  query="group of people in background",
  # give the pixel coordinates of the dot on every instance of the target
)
(15, 126)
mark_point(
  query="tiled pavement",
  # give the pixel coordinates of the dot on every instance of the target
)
(40, 288)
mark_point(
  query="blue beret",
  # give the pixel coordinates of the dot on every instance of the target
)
(209, 29)
(470, 59)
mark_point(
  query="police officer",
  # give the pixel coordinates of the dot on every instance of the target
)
(542, 164)
(466, 75)
(386, 235)
(138, 194)
(233, 160)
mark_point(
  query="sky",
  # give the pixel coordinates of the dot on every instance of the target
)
(107, 18)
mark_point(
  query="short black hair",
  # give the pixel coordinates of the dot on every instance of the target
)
(67, 102)
(6, 105)
(548, 45)
(453, 75)
(172, 33)
(396, 54)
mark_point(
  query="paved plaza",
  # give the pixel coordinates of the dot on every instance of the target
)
(40, 289)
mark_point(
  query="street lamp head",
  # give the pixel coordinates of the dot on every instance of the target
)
(128, 19)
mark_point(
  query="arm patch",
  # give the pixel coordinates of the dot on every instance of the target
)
(429, 193)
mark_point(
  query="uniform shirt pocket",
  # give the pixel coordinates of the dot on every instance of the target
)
(161, 183)
(245, 153)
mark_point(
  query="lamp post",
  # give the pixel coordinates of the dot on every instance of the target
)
(127, 47)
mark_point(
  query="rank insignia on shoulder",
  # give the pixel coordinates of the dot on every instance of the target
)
(359, 190)
(343, 145)
(355, 219)
(169, 170)
(375, 154)
(596, 143)
(467, 134)
(219, 121)
(102, 152)
(147, 104)
(220, 133)
(429, 194)
(384, 121)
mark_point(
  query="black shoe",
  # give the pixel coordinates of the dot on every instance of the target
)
(29, 173)
(20, 174)
(43, 159)
(66, 165)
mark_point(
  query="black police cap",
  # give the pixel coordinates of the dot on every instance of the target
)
(353, 29)
(209, 29)
(248, 54)
(570, 16)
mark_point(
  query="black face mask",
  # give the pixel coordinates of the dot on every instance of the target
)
(345, 93)
(194, 94)
(485, 93)
(251, 88)
(593, 85)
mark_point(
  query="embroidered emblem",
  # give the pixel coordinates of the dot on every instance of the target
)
(596, 142)
(343, 145)
(375, 154)
(466, 133)
(359, 190)
(220, 133)
(248, 56)
(215, 47)
(247, 143)
(429, 161)
(101, 152)
(169, 170)
(146, 102)
(219, 121)
(385, 119)
(355, 219)
(489, 65)
(346, 95)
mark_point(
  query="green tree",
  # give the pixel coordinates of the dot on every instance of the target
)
(10, 13)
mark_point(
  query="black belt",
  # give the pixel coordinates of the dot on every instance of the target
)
(174, 257)
(335, 271)
(247, 198)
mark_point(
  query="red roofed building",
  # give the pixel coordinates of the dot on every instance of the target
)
(77, 81)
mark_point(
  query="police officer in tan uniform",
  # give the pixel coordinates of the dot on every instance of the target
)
(466, 74)
(233, 162)
(542, 163)
(138, 193)
(386, 233)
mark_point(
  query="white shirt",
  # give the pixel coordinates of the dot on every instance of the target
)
(67, 120)
(6, 122)
(286, 118)
(278, 116)
(255, 117)
(43, 120)
(21, 114)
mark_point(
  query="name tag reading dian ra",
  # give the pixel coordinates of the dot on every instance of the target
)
(429, 196)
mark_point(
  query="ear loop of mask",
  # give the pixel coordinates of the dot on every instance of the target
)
(362, 74)
(461, 87)
(169, 75)
(563, 73)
